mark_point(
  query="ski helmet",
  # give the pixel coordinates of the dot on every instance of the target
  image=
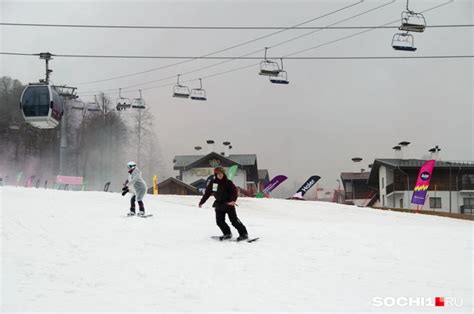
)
(131, 165)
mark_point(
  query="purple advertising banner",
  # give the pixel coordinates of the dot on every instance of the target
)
(276, 181)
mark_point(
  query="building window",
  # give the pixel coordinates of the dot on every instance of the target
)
(467, 178)
(383, 183)
(435, 202)
(401, 203)
(469, 201)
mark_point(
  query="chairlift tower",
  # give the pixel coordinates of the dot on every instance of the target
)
(123, 104)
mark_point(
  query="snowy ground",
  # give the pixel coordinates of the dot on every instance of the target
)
(74, 251)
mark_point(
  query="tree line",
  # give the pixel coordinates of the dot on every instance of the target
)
(93, 141)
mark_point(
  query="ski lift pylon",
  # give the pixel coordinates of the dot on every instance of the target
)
(180, 91)
(198, 93)
(281, 78)
(268, 67)
(403, 42)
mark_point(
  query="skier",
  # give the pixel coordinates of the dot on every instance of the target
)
(137, 185)
(225, 193)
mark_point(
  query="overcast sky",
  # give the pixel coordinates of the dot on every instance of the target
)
(331, 111)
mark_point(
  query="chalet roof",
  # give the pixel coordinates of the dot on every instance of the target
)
(410, 164)
(172, 180)
(182, 161)
(345, 176)
(262, 174)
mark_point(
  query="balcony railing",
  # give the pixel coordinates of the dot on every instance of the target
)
(358, 195)
(395, 187)
(466, 186)
(467, 209)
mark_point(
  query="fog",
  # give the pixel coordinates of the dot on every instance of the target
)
(331, 111)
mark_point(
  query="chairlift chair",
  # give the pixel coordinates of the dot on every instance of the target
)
(268, 67)
(403, 42)
(122, 103)
(281, 78)
(180, 91)
(138, 103)
(198, 93)
(412, 21)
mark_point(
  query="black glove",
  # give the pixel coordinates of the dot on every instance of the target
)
(124, 190)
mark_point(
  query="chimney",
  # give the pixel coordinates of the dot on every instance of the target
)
(434, 152)
(404, 149)
(210, 146)
(356, 161)
(226, 148)
(398, 151)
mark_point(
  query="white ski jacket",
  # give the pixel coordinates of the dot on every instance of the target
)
(136, 184)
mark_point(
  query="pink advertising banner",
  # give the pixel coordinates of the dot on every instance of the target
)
(69, 180)
(423, 182)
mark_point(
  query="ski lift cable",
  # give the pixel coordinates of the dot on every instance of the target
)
(210, 27)
(225, 61)
(435, 7)
(338, 22)
(342, 38)
(255, 51)
(287, 57)
(309, 58)
(222, 50)
(260, 50)
(204, 56)
(219, 27)
(359, 33)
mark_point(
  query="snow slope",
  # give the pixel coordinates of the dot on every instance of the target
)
(75, 251)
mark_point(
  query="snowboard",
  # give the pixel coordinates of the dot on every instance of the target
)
(217, 238)
(144, 216)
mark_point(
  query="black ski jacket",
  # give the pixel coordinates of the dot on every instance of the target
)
(223, 190)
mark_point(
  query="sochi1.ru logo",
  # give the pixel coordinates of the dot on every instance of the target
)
(417, 301)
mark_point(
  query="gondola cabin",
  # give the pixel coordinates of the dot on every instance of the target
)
(41, 105)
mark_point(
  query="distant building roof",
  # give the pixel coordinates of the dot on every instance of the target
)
(413, 164)
(262, 174)
(241, 159)
(354, 175)
(417, 163)
(173, 181)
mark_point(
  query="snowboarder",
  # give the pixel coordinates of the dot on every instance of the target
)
(136, 185)
(225, 193)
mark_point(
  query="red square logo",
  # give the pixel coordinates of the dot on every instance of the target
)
(439, 301)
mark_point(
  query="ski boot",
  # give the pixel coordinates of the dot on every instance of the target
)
(226, 237)
(242, 237)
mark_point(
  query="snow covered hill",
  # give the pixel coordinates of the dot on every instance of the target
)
(75, 251)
